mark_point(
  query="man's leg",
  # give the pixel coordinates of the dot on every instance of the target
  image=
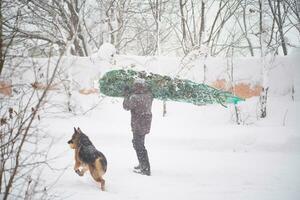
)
(141, 152)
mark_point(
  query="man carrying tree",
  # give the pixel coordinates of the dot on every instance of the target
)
(138, 100)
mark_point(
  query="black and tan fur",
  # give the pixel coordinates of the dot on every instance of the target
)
(87, 157)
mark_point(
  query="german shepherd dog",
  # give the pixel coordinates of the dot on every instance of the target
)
(87, 157)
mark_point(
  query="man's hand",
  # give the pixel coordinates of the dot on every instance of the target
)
(126, 90)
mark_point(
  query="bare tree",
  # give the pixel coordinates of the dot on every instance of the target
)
(263, 44)
(292, 8)
(244, 26)
(1, 40)
(22, 158)
(7, 33)
(230, 73)
(275, 7)
(52, 23)
(192, 24)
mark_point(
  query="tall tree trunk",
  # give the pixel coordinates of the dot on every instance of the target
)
(279, 22)
(1, 40)
(120, 23)
(158, 50)
(246, 32)
(194, 38)
(263, 44)
(183, 24)
(280, 27)
(157, 21)
(76, 29)
(202, 23)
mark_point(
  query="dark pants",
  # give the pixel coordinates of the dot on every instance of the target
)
(138, 142)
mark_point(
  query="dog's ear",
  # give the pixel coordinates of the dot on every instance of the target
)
(79, 130)
(75, 131)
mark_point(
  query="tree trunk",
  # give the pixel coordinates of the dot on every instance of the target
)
(183, 25)
(79, 43)
(157, 21)
(263, 102)
(246, 32)
(194, 38)
(202, 23)
(264, 93)
(1, 40)
(164, 108)
(280, 27)
(279, 22)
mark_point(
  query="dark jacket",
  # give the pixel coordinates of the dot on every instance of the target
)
(139, 102)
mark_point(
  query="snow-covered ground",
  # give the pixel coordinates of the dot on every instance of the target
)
(195, 153)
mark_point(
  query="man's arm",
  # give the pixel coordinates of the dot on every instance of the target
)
(126, 101)
(130, 102)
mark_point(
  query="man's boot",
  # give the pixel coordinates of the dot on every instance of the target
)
(144, 166)
(142, 155)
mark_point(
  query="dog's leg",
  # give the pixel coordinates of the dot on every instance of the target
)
(83, 170)
(102, 184)
(97, 175)
(77, 163)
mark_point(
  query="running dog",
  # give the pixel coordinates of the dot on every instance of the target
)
(87, 157)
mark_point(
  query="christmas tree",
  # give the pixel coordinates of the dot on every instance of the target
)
(114, 82)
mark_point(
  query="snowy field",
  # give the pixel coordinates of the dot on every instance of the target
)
(195, 153)
(53, 54)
